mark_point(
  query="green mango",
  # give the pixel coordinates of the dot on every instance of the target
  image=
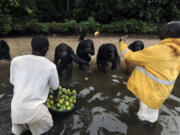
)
(54, 107)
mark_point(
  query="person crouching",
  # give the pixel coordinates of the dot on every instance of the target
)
(31, 76)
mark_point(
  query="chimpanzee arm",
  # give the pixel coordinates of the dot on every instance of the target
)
(116, 62)
(80, 49)
(69, 71)
(56, 57)
(100, 61)
(78, 60)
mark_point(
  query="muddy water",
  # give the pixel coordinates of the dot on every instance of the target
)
(105, 107)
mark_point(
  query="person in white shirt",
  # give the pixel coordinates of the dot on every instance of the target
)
(32, 76)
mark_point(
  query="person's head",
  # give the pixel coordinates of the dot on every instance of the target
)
(40, 45)
(170, 30)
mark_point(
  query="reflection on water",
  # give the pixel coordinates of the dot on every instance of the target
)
(105, 107)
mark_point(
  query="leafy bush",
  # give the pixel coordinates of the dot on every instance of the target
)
(70, 26)
(114, 16)
(90, 25)
(5, 24)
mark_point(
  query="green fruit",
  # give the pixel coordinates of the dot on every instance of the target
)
(63, 89)
(73, 97)
(48, 100)
(67, 103)
(58, 105)
(67, 98)
(51, 102)
(74, 101)
(74, 92)
(49, 106)
(86, 78)
(51, 97)
(70, 100)
(54, 107)
(68, 90)
(60, 92)
(68, 108)
(71, 105)
(60, 87)
(61, 101)
(64, 107)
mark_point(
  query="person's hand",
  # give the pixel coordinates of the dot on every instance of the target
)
(123, 38)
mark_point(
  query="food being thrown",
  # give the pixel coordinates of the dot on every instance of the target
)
(65, 101)
(96, 33)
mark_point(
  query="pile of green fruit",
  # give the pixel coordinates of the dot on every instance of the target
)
(65, 101)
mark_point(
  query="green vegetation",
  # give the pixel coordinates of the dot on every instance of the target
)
(110, 16)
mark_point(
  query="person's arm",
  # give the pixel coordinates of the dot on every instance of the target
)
(54, 81)
(152, 54)
(12, 66)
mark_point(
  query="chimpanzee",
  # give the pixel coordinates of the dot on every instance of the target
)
(107, 53)
(134, 46)
(84, 50)
(64, 55)
(4, 51)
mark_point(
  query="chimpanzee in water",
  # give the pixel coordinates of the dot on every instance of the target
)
(134, 46)
(64, 55)
(84, 50)
(107, 53)
(4, 51)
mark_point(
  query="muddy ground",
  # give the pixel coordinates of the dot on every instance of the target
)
(22, 45)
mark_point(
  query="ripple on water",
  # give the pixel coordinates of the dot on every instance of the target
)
(171, 125)
(73, 84)
(86, 91)
(107, 121)
(2, 95)
(115, 81)
(3, 85)
(98, 96)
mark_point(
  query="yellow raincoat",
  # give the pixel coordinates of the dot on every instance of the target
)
(157, 69)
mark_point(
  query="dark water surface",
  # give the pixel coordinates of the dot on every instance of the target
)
(105, 107)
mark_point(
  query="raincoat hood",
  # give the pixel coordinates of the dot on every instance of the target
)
(174, 43)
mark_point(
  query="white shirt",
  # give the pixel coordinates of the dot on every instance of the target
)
(31, 76)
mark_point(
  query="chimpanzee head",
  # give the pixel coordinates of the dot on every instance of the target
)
(40, 45)
(4, 50)
(88, 46)
(63, 50)
(109, 51)
(170, 30)
(3, 44)
(136, 46)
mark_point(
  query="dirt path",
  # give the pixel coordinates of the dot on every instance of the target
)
(22, 45)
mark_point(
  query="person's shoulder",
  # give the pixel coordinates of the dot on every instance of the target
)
(50, 63)
(18, 58)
